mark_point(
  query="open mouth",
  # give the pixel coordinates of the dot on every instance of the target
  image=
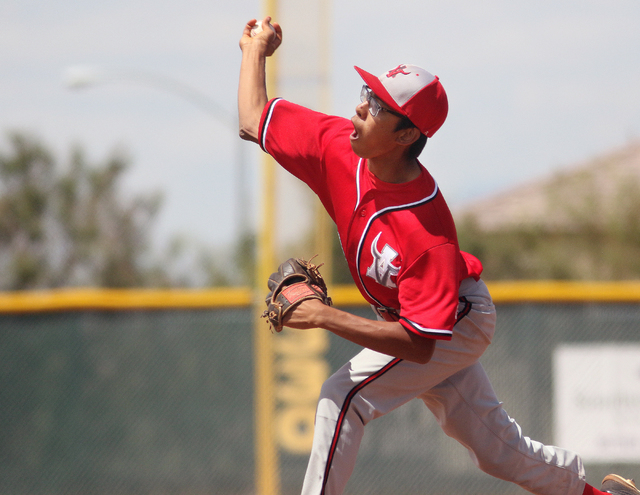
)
(354, 134)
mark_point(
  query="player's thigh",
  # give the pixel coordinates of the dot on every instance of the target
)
(465, 403)
(373, 384)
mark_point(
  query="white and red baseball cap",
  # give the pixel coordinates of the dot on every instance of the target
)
(413, 92)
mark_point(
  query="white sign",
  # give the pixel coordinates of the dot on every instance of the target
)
(597, 401)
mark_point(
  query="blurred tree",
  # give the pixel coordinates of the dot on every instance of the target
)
(71, 226)
(599, 238)
(244, 258)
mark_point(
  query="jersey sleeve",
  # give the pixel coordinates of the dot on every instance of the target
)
(298, 138)
(428, 293)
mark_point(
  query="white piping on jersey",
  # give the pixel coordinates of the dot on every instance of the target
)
(358, 184)
(422, 329)
(377, 214)
(267, 120)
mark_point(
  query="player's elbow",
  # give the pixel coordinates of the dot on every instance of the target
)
(249, 114)
(421, 358)
(247, 134)
(422, 350)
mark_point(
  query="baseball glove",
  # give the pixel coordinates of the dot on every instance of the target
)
(295, 281)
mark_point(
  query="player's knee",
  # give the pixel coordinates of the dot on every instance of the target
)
(330, 400)
(334, 393)
(500, 460)
(335, 388)
(490, 466)
(337, 398)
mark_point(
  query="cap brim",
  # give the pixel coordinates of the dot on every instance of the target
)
(381, 92)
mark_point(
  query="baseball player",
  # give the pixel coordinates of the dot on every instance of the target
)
(435, 315)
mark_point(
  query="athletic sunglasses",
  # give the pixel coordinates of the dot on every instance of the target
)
(374, 105)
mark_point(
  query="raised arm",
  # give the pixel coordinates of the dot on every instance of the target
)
(252, 88)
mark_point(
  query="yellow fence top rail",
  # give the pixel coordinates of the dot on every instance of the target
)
(343, 295)
(532, 291)
(121, 299)
(565, 291)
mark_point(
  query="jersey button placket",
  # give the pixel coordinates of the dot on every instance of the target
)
(357, 225)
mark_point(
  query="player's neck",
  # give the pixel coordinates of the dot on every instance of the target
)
(393, 169)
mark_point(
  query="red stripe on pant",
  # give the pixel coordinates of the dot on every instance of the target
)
(343, 412)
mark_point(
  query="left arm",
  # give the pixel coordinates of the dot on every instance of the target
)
(389, 338)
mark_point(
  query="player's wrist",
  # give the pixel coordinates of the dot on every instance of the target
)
(320, 315)
(307, 314)
(254, 48)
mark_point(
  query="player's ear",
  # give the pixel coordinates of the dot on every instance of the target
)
(408, 136)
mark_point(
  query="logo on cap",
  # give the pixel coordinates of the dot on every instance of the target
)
(398, 70)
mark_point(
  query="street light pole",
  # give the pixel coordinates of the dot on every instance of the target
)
(86, 76)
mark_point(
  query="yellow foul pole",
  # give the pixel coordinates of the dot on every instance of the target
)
(267, 469)
(324, 225)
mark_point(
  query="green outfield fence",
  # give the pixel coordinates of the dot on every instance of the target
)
(151, 392)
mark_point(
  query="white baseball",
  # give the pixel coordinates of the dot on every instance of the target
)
(257, 28)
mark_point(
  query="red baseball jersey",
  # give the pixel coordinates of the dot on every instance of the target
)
(399, 240)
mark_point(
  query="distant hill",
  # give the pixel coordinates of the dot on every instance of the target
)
(581, 223)
(593, 190)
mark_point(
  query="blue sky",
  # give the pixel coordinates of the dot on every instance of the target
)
(533, 87)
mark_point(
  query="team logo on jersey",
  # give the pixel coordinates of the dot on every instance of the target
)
(398, 70)
(381, 270)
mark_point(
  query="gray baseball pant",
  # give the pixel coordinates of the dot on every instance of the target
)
(456, 389)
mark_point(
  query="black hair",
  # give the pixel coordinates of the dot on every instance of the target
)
(418, 145)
